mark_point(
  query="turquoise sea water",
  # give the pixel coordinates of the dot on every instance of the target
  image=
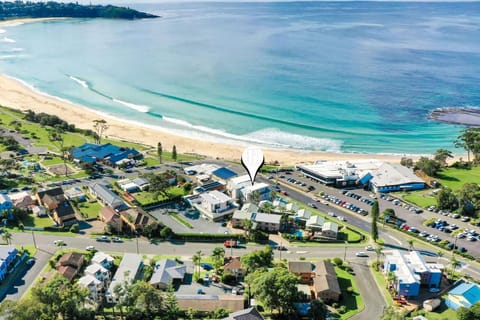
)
(337, 76)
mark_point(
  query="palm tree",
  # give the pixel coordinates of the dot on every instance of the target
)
(378, 251)
(439, 254)
(218, 254)
(410, 244)
(197, 260)
(7, 237)
(455, 264)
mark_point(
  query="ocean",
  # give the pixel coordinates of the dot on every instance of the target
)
(358, 77)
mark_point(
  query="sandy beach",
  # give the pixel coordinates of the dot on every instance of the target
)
(15, 95)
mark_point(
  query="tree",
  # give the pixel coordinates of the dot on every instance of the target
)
(7, 237)
(318, 309)
(410, 244)
(159, 151)
(276, 289)
(440, 255)
(197, 260)
(469, 140)
(219, 313)
(379, 252)
(428, 166)
(455, 264)
(407, 162)
(143, 301)
(100, 126)
(469, 198)
(158, 184)
(374, 229)
(57, 136)
(441, 156)
(258, 259)
(247, 225)
(218, 255)
(174, 153)
(172, 310)
(446, 199)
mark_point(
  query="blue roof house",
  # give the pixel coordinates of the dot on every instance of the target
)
(90, 153)
(464, 295)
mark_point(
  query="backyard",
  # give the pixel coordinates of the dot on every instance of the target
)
(352, 301)
(89, 210)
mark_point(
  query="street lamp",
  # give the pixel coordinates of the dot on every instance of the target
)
(33, 237)
(345, 252)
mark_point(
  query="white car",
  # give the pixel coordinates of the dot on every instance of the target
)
(58, 243)
(341, 218)
(90, 248)
(369, 248)
(361, 254)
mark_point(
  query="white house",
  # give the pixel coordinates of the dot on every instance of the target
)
(266, 221)
(21, 199)
(291, 207)
(315, 223)
(235, 185)
(261, 190)
(167, 272)
(99, 272)
(39, 211)
(103, 259)
(93, 286)
(330, 230)
(215, 204)
(127, 185)
(303, 214)
(141, 183)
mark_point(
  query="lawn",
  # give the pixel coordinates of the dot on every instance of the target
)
(443, 312)
(353, 302)
(382, 284)
(40, 222)
(53, 161)
(352, 236)
(421, 199)
(146, 198)
(455, 178)
(89, 210)
(181, 220)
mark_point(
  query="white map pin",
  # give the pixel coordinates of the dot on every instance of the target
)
(252, 161)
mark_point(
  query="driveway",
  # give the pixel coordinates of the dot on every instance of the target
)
(198, 223)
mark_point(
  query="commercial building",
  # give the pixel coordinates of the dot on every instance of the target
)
(411, 272)
(379, 176)
(464, 295)
(215, 204)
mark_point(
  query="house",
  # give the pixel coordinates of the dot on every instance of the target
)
(141, 183)
(127, 185)
(136, 219)
(235, 186)
(411, 271)
(105, 153)
(22, 199)
(234, 267)
(107, 197)
(167, 272)
(463, 295)
(5, 202)
(103, 259)
(75, 194)
(54, 200)
(303, 215)
(266, 221)
(215, 205)
(302, 269)
(223, 174)
(94, 287)
(256, 192)
(239, 216)
(39, 211)
(8, 254)
(111, 218)
(326, 282)
(98, 272)
(70, 264)
(330, 230)
(291, 207)
(128, 271)
(210, 186)
(245, 314)
(315, 223)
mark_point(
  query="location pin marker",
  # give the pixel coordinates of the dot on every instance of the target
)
(252, 161)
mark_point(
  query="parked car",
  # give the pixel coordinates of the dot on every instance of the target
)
(361, 254)
(117, 240)
(369, 248)
(206, 266)
(103, 239)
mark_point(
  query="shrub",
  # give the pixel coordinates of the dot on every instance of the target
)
(335, 305)
(350, 290)
(74, 228)
(228, 278)
(337, 261)
(342, 309)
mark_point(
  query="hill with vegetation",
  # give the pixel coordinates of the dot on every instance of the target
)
(50, 9)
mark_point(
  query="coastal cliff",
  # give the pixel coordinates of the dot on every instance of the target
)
(18, 9)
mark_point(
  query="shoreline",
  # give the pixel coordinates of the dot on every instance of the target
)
(17, 95)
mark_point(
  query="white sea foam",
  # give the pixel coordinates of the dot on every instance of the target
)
(13, 50)
(32, 88)
(13, 24)
(8, 40)
(2, 31)
(10, 56)
(81, 82)
(138, 107)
